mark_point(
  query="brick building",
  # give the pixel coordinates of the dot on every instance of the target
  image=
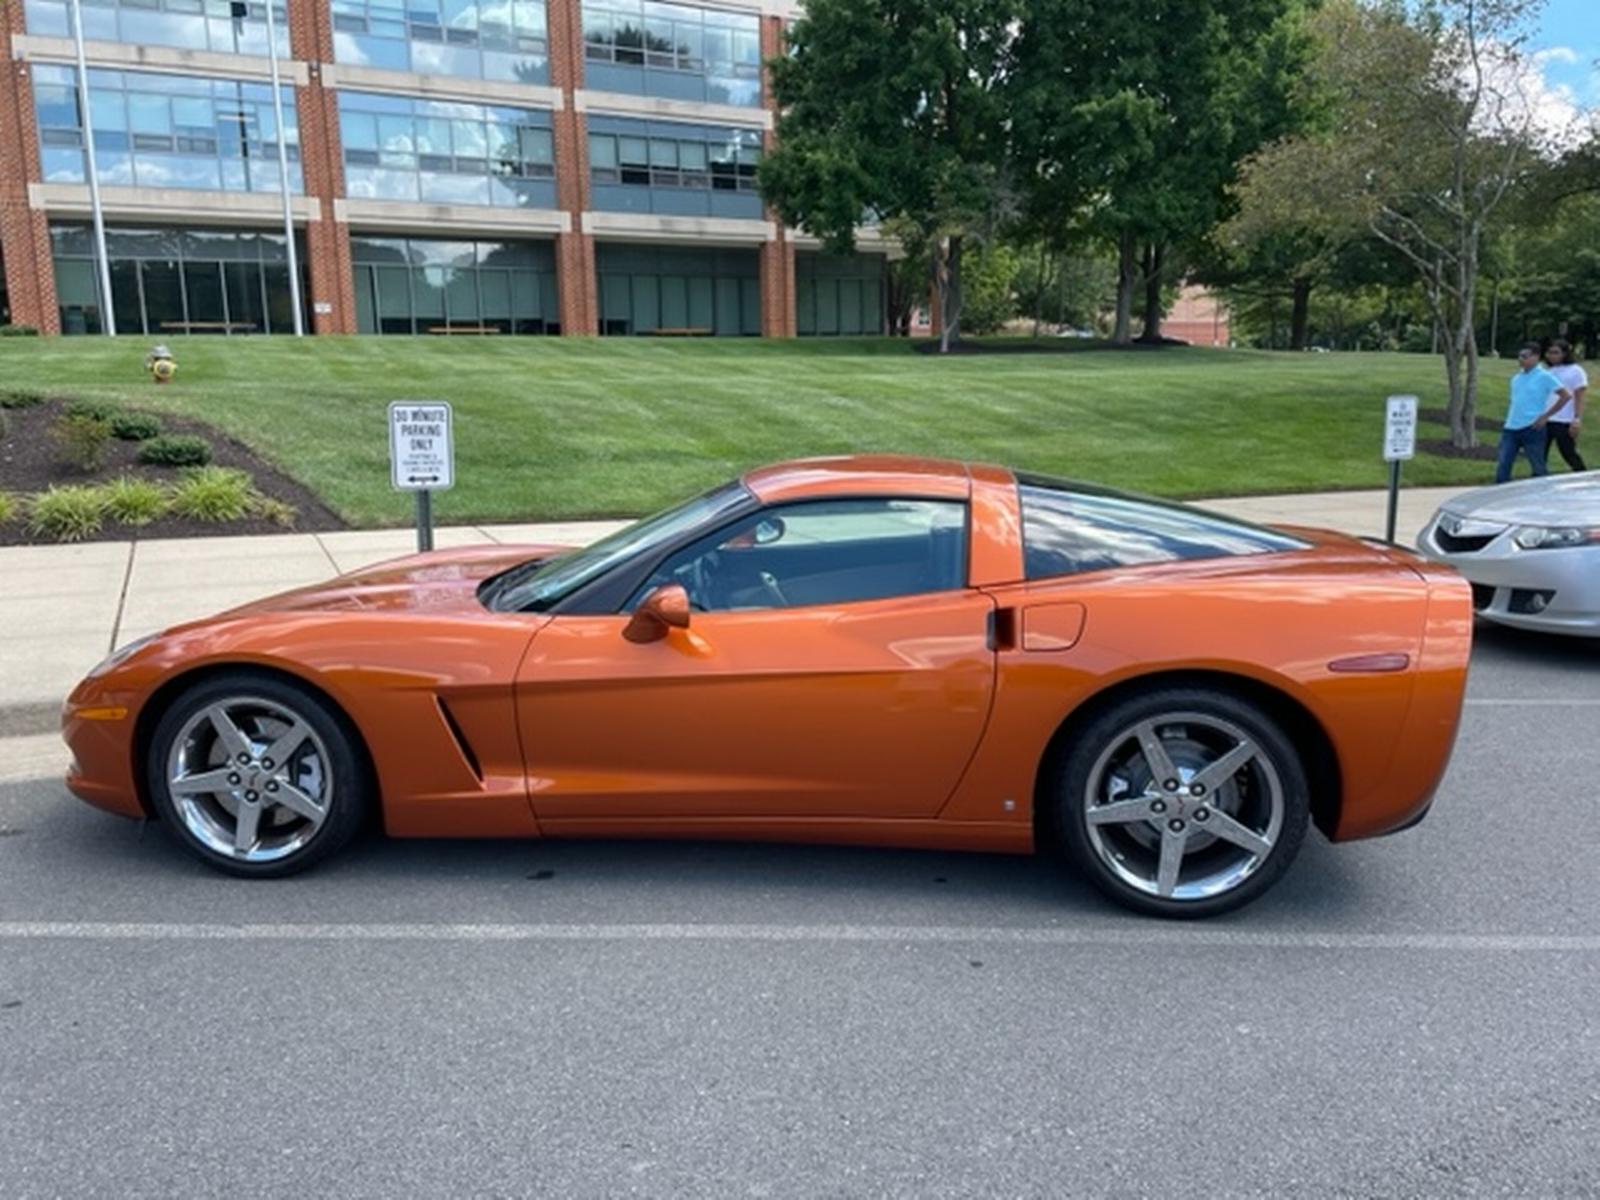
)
(520, 166)
(1200, 318)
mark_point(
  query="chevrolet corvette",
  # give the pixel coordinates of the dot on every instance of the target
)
(872, 650)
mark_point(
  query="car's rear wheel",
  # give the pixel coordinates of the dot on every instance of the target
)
(1183, 802)
(256, 775)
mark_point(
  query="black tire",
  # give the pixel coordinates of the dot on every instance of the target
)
(1105, 747)
(260, 700)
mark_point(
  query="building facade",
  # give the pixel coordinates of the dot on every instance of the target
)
(454, 166)
(1200, 318)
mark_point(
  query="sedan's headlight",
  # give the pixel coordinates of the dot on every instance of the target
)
(1542, 537)
(120, 653)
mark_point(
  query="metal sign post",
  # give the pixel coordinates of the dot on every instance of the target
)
(1399, 445)
(421, 456)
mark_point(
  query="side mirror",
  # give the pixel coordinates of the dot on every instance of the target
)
(664, 609)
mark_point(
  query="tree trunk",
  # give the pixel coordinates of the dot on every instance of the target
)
(1452, 378)
(1127, 278)
(1153, 255)
(1300, 319)
(1038, 291)
(950, 294)
(1494, 320)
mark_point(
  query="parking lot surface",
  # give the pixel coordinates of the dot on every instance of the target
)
(1413, 1015)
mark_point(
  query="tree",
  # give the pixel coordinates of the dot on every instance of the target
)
(1550, 282)
(893, 108)
(1428, 135)
(1137, 113)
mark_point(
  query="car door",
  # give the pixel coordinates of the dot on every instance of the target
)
(834, 664)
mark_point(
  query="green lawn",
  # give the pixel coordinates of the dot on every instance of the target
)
(577, 427)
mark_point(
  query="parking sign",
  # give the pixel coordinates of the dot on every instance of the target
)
(421, 449)
(1400, 430)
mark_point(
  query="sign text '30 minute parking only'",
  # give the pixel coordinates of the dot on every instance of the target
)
(421, 449)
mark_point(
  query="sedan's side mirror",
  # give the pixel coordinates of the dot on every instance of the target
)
(666, 608)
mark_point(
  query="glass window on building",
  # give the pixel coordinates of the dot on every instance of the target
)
(424, 285)
(678, 291)
(220, 26)
(675, 51)
(442, 152)
(165, 131)
(673, 168)
(838, 295)
(504, 40)
(173, 281)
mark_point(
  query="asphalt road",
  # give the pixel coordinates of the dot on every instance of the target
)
(1412, 1016)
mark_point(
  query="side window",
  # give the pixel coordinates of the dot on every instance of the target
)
(822, 552)
(1066, 531)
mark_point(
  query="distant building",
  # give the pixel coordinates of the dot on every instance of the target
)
(456, 166)
(1199, 318)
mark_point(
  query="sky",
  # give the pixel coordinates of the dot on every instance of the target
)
(1567, 41)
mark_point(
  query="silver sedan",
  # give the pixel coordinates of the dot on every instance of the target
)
(1531, 551)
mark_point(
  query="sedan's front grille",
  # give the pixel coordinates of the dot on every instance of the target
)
(1482, 596)
(1455, 544)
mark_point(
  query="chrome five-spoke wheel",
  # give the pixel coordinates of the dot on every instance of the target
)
(249, 778)
(1184, 806)
(1184, 803)
(257, 775)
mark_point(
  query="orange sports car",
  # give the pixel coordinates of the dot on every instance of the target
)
(875, 650)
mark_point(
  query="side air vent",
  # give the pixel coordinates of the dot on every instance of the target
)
(460, 737)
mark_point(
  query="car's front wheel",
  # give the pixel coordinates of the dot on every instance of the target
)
(256, 775)
(1182, 802)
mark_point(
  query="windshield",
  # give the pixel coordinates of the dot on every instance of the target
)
(534, 587)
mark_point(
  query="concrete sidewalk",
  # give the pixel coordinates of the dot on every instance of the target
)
(63, 608)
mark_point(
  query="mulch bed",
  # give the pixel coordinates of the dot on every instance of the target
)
(1487, 449)
(30, 461)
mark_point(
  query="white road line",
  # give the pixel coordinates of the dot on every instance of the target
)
(1540, 702)
(1132, 937)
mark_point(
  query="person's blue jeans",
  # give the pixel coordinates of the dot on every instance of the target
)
(1529, 441)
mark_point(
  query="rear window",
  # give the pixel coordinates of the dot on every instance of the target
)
(1069, 528)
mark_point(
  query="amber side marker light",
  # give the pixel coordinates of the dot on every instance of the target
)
(108, 713)
(1370, 663)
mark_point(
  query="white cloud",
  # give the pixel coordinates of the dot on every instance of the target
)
(1557, 54)
(1519, 91)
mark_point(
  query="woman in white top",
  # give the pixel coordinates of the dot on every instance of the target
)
(1566, 422)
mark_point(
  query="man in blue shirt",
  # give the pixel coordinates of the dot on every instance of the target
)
(1535, 395)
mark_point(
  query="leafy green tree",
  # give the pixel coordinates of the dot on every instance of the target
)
(1070, 287)
(1132, 116)
(1549, 281)
(895, 108)
(1427, 138)
(991, 287)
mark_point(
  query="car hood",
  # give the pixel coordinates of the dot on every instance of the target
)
(1553, 500)
(438, 581)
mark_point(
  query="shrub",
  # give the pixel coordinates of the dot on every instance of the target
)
(5, 425)
(67, 514)
(133, 501)
(214, 494)
(135, 427)
(20, 398)
(18, 331)
(82, 439)
(98, 410)
(276, 511)
(176, 450)
(9, 508)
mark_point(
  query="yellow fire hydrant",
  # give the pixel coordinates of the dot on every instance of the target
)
(160, 363)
